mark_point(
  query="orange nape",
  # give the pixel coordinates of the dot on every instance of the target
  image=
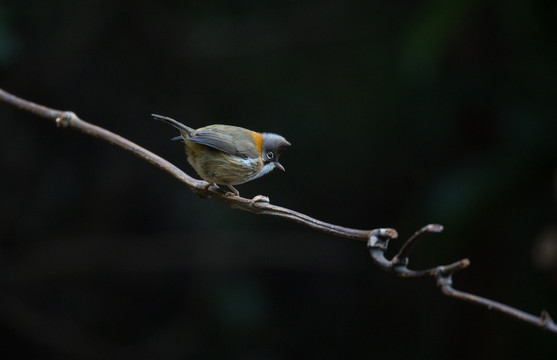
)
(258, 140)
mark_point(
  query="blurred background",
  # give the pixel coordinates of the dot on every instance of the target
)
(400, 114)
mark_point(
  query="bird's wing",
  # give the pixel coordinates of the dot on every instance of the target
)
(222, 140)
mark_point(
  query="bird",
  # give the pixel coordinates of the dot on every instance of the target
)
(229, 155)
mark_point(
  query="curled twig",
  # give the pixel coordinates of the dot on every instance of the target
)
(402, 256)
(443, 274)
(377, 239)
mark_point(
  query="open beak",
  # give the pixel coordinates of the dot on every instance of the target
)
(278, 165)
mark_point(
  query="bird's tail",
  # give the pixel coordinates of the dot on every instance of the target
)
(185, 130)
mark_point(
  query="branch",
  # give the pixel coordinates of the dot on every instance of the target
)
(377, 239)
(258, 205)
(443, 275)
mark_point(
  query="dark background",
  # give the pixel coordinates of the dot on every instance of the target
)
(400, 113)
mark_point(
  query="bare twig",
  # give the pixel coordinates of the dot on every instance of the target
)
(377, 239)
(402, 256)
(443, 276)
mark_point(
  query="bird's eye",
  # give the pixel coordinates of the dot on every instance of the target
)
(270, 155)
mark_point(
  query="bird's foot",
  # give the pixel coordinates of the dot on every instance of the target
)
(204, 190)
(234, 191)
(259, 199)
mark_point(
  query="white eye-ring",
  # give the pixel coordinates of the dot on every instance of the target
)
(270, 155)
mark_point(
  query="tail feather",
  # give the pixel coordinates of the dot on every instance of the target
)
(176, 124)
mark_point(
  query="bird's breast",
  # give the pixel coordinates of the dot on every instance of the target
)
(222, 168)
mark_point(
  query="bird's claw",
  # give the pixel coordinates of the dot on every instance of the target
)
(203, 190)
(260, 199)
(234, 191)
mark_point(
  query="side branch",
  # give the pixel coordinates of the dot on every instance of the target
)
(443, 275)
(377, 239)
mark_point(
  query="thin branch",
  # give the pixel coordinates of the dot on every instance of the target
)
(402, 256)
(544, 320)
(443, 276)
(259, 204)
(377, 239)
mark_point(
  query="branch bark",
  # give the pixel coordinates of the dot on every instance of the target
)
(377, 239)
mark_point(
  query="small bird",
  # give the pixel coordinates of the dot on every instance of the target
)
(229, 155)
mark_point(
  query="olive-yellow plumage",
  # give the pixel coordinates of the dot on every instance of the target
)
(229, 155)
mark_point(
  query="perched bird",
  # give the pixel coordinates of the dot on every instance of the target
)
(229, 155)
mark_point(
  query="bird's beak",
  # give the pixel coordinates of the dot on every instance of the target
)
(278, 165)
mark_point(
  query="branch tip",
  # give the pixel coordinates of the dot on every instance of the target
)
(450, 269)
(389, 233)
(434, 228)
(414, 239)
(386, 233)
